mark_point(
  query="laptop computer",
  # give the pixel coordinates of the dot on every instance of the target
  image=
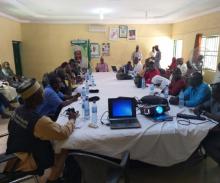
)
(122, 113)
(114, 68)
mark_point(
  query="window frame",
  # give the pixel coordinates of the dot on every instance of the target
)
(210, 53)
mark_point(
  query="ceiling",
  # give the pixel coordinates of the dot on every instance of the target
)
(106, 11)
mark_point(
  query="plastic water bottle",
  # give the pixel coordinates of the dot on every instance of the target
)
(151, 89)
(143, 84)
(92, 80)
(87, 74)
(181, 99)
(124, 70)
(94, 112)
(86, 109)
(87, 88)
(83, 92)
(166, 92)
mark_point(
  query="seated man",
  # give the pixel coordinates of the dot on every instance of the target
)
(30, 135)
(177, 83)
(190, 70)
(181, 65)
(197, 92)
(102, 66)
(151, 72)
(137, 66)
(54, 100)
(128, 66)
(211, 109)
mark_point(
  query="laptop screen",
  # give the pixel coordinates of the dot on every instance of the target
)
(122, 107)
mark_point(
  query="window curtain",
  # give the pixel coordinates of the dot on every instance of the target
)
(197, 47)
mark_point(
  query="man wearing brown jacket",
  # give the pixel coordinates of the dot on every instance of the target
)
(30, 135)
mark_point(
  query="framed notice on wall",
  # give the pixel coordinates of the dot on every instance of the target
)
(113, 34)
(105, 49)
(95, 50)
(131, 34)
(123, 31)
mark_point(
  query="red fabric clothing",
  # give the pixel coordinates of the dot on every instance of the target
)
(150, 74)
(173, 66)
(176, 86)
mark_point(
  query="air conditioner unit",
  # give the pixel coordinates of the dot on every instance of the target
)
(97, 28)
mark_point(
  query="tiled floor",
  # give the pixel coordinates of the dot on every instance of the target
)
(205, 172)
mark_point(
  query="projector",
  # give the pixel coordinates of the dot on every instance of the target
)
(155, 110)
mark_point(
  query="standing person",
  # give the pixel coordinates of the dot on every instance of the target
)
(136, 54)
(157, 57)
(152, 53)
(102, 66)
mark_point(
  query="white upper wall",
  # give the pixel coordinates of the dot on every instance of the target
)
(113, 11)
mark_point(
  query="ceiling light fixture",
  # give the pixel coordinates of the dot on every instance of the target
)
(102, 12)
(101, 16)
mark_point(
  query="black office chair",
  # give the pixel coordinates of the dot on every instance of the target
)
(97, 169)
(14, 176)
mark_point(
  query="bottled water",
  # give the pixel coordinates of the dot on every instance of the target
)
(151, 89)
(181, 99)
(86, 109)
(94, 112)
(83, 92)
(166, 92)
(93, 81)
(143, 84)
(87, 74)
(87, 88)
(83, 106)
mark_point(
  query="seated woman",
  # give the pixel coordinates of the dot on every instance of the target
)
(171, 67)
(102, 66)
(6, 69)
(9, 75)
(151, 72)
(177, 83)
(211, 109)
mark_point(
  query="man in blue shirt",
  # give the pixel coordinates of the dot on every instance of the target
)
(197, 92)
(54, 100)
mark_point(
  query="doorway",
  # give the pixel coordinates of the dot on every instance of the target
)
(17, 57)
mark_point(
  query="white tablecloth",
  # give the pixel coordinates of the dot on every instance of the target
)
(161, 144)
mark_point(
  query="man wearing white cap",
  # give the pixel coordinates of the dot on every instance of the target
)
(30, 134)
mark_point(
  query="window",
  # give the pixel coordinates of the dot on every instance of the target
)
(209, 49)
(177, 49)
